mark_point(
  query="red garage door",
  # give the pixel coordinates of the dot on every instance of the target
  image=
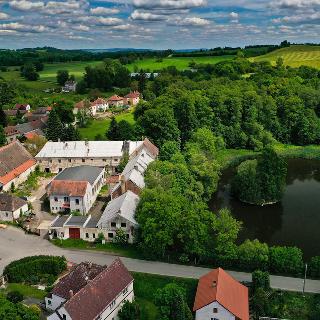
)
(74, 233)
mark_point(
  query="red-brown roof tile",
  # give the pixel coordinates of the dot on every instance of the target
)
(133, 95)
(115, 98)
(97, 295)
(68, 188)
(219, 286)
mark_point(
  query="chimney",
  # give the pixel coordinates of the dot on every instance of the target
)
(123, 184)
(70, 294)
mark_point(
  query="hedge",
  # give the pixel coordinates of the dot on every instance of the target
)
(314, 267)
(36, 269)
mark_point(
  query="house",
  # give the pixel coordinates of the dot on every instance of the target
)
(69, 86)
(12, 133)
(75, 189)
(22, 107)
(16, 163)
(220, 296)
(132, 177)
(91, 292)
(40, 113)
(12, 207)
(56, 156)
(85, 105)
(133, 98)
(119, 214)
(116, 101)
(148, 75)
(74, 227)
(100, 105)
(13, 112)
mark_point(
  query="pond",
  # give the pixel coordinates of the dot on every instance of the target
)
(295, 221)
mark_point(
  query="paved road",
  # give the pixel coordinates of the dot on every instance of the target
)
(14, 244)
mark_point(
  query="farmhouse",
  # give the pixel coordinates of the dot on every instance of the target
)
(16, 163)
(69, 86)
(75, 189)
(12, 207)
(219, 296)
(91, 292)
(119, 214)
(116, 101)
(133, 98)
(56, 156)
(100, 105)
(86, 106)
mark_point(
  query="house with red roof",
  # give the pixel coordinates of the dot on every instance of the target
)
(85, 105)
(91, 292)
(116, 101)
(133, 98)
(220, 297)
(100, 105)
(16, 164)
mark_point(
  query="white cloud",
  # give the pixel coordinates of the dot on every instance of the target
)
(108, 21)
(147, 16)
(122, 27)
(80, 27)
(189, 21)
(23, 27)
(25, 5)
(169, 4)
(4, 16)
(103, 11)
(294, 4)
(234, 17)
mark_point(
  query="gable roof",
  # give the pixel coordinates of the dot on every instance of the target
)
(76, 279)
(115, 98)
(14, 160)
(99, 101)
(80, 173)
(123, 206)
(219, 286)
(11, 130)
(9, 202)
(132, 95)
(67, 188)
(96, 296)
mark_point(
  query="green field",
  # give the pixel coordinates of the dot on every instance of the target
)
(294, 56)
(181, 63)
(100, 126)
(49, 72)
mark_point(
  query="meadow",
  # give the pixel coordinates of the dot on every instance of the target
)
(181, 63)
(294, 56)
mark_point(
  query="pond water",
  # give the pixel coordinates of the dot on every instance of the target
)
(295, 221)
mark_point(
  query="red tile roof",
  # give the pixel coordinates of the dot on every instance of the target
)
(11, 130)
(14, 160)
(31, 135)
(132, 95)
(97, 295)
(115, 98)
(76, 279)
(68, 188)
(219, 286)
(98, 101)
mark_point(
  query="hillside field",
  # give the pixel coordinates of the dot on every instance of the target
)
(294, 56)
(181, 63)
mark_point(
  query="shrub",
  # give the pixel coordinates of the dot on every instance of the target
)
(287, 260)
(314, 267)
(129, 311)
(261, 280)
(253, 255)
(121, 237)
(15, 296)
(35, 269)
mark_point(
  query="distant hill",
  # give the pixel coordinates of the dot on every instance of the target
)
(294, 56)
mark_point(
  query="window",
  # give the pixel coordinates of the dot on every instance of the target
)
(215, 310)
(93, 235)
(69, 160)
(49, 302)
(64, 317)
(113, 303)
(7, 214)
(59, 160)
(87, 235)
(123, 224)
(83, 160)
(77, 201)
(113, 224)
(60, 169)
(110, 235)
(55, 199)
(125, 291)
(66, 199)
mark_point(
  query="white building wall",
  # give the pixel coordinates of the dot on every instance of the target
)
(10, 216)
(206, 313)
(18, 180)
(54, 302)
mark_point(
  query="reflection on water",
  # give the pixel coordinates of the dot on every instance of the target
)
(293, 221)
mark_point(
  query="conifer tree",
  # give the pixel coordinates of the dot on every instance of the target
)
(54, 130)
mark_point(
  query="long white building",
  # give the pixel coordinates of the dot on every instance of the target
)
(56, 156)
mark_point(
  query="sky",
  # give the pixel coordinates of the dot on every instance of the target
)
(156, 24)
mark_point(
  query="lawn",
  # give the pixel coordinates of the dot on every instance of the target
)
(26, 290)
(181, 63)
(294, 56)
(100, 126)
(145, 286)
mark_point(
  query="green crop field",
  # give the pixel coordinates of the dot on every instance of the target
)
(181, 63)
(100, 126)
(76, 68)
(294, 56)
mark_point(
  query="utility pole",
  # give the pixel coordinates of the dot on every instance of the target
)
(305, 277)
